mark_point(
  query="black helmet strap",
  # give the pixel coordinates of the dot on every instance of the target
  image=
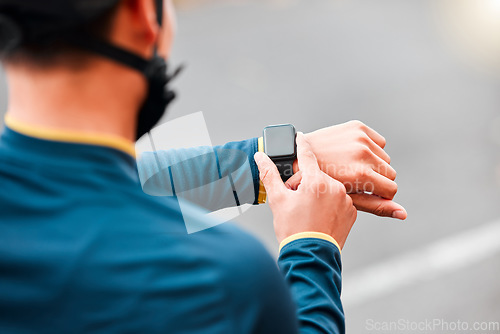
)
(99, 46)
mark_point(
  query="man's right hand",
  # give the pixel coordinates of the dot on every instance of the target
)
(314, 203)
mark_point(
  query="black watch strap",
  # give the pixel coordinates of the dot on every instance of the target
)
(285, 167)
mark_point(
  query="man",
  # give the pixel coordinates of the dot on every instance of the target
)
(84, 250)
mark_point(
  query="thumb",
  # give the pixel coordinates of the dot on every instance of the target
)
(269, 174)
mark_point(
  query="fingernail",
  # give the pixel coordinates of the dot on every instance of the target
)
(399, 214)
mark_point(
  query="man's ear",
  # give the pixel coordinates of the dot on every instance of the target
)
(136, 27)
(143, 14)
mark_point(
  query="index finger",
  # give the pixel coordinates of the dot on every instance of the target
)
(305, 156)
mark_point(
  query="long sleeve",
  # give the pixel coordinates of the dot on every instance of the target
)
(211, 177)
(312, 268)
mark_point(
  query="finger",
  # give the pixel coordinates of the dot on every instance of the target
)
(374, 183)
(305, 156)
(269, 174)
(375, 136)
(383, 168)
(294, 181)
(378, 206)
(377, 150)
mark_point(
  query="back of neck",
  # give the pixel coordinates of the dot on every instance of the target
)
(102, 100)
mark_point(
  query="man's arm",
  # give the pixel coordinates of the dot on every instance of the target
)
(211, 177)
(312, 268)
(313, 216)
(351, 152)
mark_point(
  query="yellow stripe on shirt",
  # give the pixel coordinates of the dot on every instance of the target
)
(35, 131)
(305, 235)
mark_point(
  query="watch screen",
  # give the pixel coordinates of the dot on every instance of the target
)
(279, 140)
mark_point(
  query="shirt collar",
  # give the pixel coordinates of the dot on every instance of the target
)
(66, 136)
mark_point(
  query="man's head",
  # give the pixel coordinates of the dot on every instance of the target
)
(114, 49)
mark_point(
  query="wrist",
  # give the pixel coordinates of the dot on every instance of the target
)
(295, 163)
(295, 167)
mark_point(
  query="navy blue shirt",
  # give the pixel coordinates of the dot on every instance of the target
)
(84, 249)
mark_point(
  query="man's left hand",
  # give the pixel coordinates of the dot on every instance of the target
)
(353, 154)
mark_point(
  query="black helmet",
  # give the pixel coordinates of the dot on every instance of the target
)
(32, 20)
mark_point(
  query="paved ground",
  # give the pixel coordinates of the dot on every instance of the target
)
(320, 62)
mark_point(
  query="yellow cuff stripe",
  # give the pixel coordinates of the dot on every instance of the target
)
(304, 235)
(262, 191)
(30, 130)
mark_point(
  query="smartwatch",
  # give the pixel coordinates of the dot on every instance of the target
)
(280, 146)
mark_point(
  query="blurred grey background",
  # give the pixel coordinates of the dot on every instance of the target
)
(424, 73)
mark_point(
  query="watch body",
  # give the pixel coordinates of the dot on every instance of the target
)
(280, 146)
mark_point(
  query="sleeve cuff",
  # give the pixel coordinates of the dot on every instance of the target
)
(262, 198)
(309, 235)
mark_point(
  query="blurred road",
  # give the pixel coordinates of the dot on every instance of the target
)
(316, 63)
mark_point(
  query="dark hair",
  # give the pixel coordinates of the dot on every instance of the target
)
(57, 49)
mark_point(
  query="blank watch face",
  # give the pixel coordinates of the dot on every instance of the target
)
(279, 140)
